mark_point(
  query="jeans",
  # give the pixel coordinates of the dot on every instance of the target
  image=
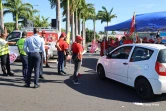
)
(65, 60)
(60, 61)
(34, 61)
(24, 60)
(5, 63)
(77, 65)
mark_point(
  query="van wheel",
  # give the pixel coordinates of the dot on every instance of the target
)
(143, 88)
(101, 72)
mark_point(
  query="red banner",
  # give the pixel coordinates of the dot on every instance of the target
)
(93, 46)
(132, 29)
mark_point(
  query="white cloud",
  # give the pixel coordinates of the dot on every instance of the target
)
(147, 5)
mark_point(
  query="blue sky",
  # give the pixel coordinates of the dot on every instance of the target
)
(124, 9)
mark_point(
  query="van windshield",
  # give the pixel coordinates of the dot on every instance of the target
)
(162, 56)
(13, 36)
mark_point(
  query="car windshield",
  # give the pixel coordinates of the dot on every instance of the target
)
(89, 45)
(162, 56)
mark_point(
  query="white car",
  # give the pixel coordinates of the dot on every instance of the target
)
(89, 48)
(142, 66)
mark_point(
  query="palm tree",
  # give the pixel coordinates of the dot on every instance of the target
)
(94, 17)
(106, 16)
(40, 22)
(1, 15)
(74, 15)
(86, 13)
(17, 9)
(56, 3)
(28, 16)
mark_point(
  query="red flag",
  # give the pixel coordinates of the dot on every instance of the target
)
(93, 46)
(132, 29)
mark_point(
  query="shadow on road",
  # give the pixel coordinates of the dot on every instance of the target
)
(108, 89)
(89, 63)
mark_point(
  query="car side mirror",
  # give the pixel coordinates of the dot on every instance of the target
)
(108, 55)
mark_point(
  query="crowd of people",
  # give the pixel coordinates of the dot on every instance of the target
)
(33, 52)
(110, 44)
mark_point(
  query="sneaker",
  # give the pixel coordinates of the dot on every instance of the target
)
(76, 82)
(27, 85)
(4, 75)
(11, 74)
(63, 72)
(47, 66)
(36, 86)
(41, 77)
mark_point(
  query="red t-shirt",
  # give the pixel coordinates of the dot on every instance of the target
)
(127, 42)
(73, 47)
(78, 48)
(62, 44)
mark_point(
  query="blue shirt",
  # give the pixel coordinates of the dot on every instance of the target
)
(34, 44)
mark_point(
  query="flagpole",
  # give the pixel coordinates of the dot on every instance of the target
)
(134, 29)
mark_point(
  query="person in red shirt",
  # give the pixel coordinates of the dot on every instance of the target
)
(66, 52)
(145, 40)
(62, 48)
(101, 48)
(151, 41)
(116, 43)
(127, 41)
(46, 47)
(77, 58)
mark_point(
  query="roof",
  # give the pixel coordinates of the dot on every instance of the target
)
(150, 46)
(144, 22)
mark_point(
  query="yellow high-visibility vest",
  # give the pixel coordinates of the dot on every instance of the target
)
(20, 44)
(4, 49)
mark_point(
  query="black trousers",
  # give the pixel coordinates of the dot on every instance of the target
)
(5, 63)
(65, 60)
(41, 64)
(24, 60)
(34, 61)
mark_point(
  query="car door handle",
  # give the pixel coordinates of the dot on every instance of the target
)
(125, 63)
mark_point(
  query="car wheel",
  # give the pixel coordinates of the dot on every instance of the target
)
(101, 72)
(143, 88)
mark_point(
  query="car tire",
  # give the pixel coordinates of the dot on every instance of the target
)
(101, 72)
(143, 88)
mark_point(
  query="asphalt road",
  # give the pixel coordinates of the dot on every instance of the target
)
(57, 93)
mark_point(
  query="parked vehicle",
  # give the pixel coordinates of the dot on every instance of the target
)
(89, 48)
(142, 66)
(51, 36)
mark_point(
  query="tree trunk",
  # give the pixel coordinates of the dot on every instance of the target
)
(72, 28)
(84, 33)
(16, 22)
(58, 15)
(67, 18)
(107, 32)
(79, 26)
(94, 29)
(1, 15)
(76, 23)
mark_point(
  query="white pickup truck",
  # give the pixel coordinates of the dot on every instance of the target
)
(17, 34)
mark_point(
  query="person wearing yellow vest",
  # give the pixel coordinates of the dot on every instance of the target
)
(23, 55)
(4, 55)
